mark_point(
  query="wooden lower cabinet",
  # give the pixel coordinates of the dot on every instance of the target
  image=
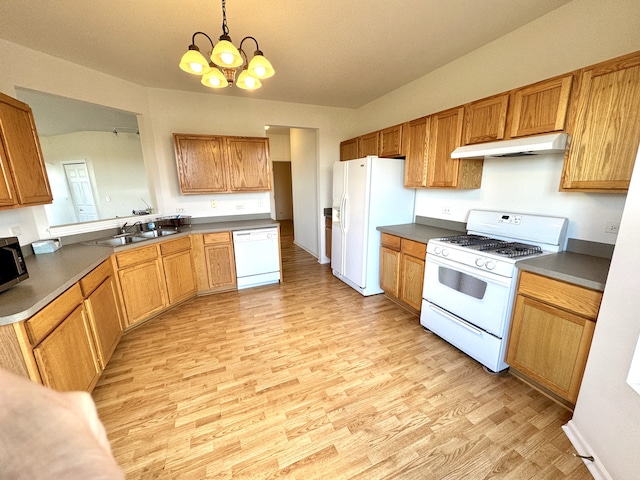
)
(551, 332)
(105, 318)
(215, 263)
(179, 272)
(66, 358)
(402, 270)
(142, 283)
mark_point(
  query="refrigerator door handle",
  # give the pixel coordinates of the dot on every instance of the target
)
(343, 216)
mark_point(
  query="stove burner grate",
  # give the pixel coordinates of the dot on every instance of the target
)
(512, 250)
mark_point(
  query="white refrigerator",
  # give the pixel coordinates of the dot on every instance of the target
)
(367, 193)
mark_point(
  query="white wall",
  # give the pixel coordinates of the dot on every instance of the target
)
(304, 167)
(607, 413)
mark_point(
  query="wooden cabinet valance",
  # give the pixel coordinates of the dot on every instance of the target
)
(222, 164)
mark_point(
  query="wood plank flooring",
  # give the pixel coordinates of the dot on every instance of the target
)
(310, 380)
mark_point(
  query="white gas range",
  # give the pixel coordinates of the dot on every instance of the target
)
(470, 280)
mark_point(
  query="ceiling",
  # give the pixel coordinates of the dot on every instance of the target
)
(340, 53)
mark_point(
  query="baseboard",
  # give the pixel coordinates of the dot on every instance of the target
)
(595, 467)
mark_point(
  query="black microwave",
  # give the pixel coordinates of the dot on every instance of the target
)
(12, 266)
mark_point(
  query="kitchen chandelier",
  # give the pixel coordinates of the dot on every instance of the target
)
(221, 70)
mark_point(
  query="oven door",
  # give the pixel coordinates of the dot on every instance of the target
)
(481, 298)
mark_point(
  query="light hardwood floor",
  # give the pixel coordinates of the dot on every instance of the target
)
(310, 380)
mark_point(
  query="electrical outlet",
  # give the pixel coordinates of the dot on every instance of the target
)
(180, 210)
(213, 204)
(611, 227)
(239, 206)
(446, 210)
(260, 202)
(15, 231)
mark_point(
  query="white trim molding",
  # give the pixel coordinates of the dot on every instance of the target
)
(595, 467)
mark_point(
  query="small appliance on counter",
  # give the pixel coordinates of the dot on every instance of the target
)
(49, 245)
(12, 267)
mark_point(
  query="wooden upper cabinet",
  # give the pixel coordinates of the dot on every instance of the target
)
(349, 149)
(445, 134)
(24, 177)
(202, 163)
(541, 107)
(249, 167)
(485, 120)
(222, 164)
(391, 144)
(605, 128)
(368, 144)
(415, 164)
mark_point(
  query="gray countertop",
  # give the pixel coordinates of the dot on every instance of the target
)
(50, 274)
(418, 232)
(577, 268)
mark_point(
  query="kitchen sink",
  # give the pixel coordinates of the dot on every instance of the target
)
(128, 238)
(155, 233)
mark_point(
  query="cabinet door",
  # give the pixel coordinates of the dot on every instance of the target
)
(606, 128)
(22, 149)
(180, 276)
(249, 167)
(105, 319)
(7, 192)
(541, 108)
(412, 273)
(550, 346)
(142, 290)
(368, 144)
(390, 271)
(349, 149)
(221, 268)
(66, 358)
(485, 120)
(415, 164)
(391, 142)
(444, 138)
(202, 163)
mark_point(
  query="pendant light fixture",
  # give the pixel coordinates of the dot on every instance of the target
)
(225, 61)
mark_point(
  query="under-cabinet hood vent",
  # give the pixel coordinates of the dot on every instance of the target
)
(539, 145)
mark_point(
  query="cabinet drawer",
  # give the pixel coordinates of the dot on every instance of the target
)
(176, 245)
(43, 322)
(139, 255)
(573, 298)
(92, 280)
(218, 237)
(390, 241)
(415, 249)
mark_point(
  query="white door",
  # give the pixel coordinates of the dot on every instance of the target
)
(84, 204)
(337, 234)
(356, 219)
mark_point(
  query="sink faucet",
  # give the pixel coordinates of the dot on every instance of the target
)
(124, 228)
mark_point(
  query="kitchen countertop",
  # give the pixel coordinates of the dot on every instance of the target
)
(424, 229)
(584, 270)
(50, 274)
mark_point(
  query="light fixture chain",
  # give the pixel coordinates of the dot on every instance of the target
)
(225, 29)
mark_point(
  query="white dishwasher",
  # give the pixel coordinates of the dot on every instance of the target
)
(257, 254)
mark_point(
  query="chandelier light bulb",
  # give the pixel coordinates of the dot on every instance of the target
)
(226, 61)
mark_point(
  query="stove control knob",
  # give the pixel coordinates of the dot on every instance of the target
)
(445, 252)
(437, 250)
(490, 265)
(479, 262)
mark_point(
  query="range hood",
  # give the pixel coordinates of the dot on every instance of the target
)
(538, 145)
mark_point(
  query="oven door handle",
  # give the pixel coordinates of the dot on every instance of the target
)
(455, 319)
